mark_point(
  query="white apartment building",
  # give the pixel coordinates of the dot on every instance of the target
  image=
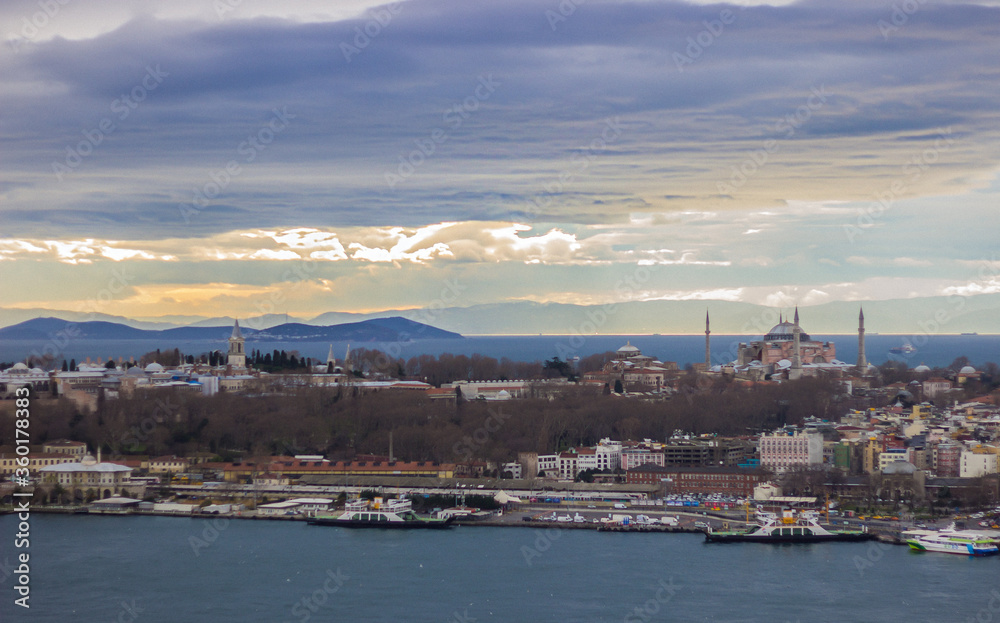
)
(548, 463)
(781, 451)
(977, 462)
(634, 457)
(891, 455)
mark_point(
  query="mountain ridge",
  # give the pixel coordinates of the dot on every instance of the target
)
(927, 315)
(390, 329)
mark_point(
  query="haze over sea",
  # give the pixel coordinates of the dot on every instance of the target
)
(933, 350)
(107, 568)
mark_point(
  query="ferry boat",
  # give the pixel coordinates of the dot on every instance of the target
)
(953, 542)
(790, 527)
(379, 513)
(905, 349)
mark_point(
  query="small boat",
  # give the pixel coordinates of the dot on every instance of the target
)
(379, 513)
(905, 349)
(953, 542)
(803, 527)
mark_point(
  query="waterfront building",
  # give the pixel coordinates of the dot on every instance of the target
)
(295, 468)
(115, 505)
(731, 481)
(295, 506)
(105, 479)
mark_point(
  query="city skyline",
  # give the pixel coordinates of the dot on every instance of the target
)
(232, 159)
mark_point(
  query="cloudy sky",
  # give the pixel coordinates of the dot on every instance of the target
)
(232, 157)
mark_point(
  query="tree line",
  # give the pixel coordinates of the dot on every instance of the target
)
(342, 422)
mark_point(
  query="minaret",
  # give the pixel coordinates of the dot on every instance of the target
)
(237, 356)
(329, 356)
(862, 360)
(708, 351)
(796, 331)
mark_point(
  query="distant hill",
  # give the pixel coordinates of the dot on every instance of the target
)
(925, 315)
(376, 330)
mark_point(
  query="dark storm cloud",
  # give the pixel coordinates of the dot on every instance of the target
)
(362, 104)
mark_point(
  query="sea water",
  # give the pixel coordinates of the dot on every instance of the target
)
(933, 350)
(133, 568)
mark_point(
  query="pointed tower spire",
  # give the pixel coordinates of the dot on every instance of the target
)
(236, 356)
(708, 351)
(329, 355)
(862, 360)
(797, 337)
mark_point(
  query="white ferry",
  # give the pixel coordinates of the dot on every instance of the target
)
(379, 513)
(790, 527)
(952, 542)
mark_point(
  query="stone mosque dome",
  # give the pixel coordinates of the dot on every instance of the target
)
(628, 349)
(785, 331)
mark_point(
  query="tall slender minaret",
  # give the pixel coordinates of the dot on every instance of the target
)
(862, 360)
(708, 351)
(796, 331)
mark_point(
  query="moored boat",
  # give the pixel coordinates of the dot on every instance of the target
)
(952, 542)
(803, 527)
(379, 513)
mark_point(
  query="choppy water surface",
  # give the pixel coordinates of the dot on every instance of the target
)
(194, 570)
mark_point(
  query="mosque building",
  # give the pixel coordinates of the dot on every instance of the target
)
(780, 343)
(787, 351)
